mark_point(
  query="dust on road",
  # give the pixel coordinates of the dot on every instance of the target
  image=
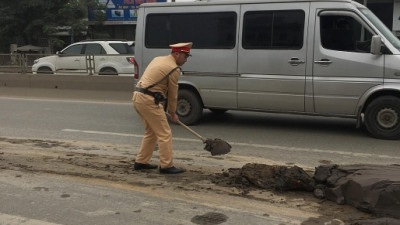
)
(98, 163)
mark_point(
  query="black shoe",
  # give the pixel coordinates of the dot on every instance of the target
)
(142, 166)
(171, 170)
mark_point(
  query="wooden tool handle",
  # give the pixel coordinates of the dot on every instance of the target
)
(188, 128)
(192, 131)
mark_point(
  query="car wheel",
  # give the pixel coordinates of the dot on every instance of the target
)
(108, 71)
(189, 107)
(44, 70)
(382, 117)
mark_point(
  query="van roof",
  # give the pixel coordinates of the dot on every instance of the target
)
(229, 2)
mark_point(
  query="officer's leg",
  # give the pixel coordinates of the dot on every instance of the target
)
(148, 145)
(149, 140)
(158, 123)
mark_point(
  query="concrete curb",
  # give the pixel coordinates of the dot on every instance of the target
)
(82, 87)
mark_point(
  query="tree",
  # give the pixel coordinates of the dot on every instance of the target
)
(32, 21)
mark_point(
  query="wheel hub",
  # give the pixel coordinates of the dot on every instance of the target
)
(183, 107)
(387, 118)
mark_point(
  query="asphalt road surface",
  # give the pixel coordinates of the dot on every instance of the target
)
(285, 139)
(68, 162)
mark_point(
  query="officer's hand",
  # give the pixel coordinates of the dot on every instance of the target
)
(174, 117)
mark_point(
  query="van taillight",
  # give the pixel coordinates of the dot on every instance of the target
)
(136, 70)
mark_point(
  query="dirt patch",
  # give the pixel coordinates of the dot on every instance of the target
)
(96, 161)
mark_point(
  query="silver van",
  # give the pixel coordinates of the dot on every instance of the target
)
(312, 57)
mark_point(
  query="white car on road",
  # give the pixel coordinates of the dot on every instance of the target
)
(89, 57)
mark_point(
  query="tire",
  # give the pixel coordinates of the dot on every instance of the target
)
(382, 118)
(44, 70)
(189, 107)
(218, 111)
(108, 71)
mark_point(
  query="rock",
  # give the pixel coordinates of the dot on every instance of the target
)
(319, 191)
(323, 173)
(370, 188)
(379, 221)
(280, 178)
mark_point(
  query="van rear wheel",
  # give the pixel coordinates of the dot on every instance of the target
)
(382, 117)
(189, 107)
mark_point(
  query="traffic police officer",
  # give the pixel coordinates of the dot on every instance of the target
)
(159, 81)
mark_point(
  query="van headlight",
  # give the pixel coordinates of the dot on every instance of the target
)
(35, 61)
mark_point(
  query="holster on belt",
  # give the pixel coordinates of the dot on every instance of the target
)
(158, 97)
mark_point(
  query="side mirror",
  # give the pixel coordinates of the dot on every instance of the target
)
(376, 45)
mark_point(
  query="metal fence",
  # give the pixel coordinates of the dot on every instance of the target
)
(18, 62)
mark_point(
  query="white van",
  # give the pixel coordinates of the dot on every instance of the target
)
(326, 58)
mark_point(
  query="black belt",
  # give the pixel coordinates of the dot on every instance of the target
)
(144, 91)
(158, 97)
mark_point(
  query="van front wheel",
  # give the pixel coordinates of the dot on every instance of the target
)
(382, 117)
(189, 107)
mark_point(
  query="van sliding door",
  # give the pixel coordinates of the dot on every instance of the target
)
(272, 56)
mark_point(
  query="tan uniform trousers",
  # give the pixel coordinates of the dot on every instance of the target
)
(157, 130)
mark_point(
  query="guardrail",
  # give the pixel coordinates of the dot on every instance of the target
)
(18, 62)
(16, 80)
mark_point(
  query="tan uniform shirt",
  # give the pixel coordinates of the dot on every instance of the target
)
(158, 68)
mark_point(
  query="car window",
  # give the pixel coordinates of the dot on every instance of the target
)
(344, 33)
(273, 29)
(121, 48)
(207, 30)
(73, 50)
(95, 49)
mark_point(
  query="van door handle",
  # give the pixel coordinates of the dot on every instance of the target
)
(294, 61)
(324, 62)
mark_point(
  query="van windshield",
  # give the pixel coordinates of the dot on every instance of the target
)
(381, 27)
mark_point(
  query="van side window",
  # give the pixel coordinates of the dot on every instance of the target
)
(273, 29)
(206, 30)
(344, 33)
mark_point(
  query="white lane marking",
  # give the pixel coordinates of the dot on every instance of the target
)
(19, 220)
(122, 134)
(274, 147)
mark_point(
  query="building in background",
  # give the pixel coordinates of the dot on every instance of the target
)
(396, 17)
(122, 15)
(386, 10)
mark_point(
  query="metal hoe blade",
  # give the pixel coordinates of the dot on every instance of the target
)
(217, 146)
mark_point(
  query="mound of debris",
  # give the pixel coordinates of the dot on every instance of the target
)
(373, 189)
(370, 188)
(280, 178)
(378, 221)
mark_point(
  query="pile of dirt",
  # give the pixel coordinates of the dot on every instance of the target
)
(373, 189)
(378, 221)
(279, 178)
(370, 188)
